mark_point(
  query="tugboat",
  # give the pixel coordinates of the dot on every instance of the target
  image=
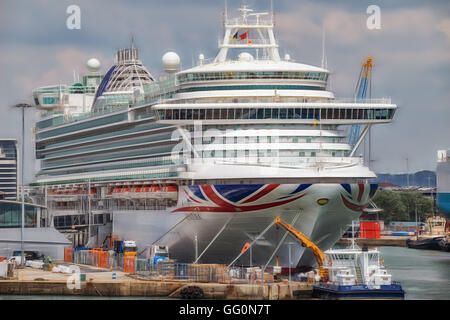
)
(444, 244)
(431, 238)
(356, 273)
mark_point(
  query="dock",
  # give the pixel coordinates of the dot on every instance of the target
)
(389, 241)
(99, 282)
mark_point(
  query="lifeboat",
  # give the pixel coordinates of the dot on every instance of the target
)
(154, 192)
(169, 191)
(136, 192)
(116, 192)
(126, 190)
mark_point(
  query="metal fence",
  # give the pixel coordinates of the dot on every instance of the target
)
(169, 270)
(214, 273)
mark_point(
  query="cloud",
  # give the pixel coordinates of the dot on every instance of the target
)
(444, 27)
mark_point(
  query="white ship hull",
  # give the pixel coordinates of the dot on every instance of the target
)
(237, 214)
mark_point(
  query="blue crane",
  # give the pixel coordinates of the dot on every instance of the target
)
(363, 85)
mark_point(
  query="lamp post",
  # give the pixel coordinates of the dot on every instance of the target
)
(23, 106)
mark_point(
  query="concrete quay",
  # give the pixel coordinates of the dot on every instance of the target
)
(388, 241)
(99, 282)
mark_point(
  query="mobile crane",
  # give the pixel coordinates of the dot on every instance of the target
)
(306, 242)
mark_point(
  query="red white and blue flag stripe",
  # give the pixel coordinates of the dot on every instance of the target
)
(235, 198)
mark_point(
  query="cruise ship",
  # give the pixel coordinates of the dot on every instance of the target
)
(204, 159)
(443, 182)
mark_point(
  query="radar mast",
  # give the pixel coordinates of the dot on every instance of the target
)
(251, 30)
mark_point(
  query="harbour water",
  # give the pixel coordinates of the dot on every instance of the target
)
(424, 275)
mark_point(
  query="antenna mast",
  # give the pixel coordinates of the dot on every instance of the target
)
(226, 11)
(324, 58)
(271, 11)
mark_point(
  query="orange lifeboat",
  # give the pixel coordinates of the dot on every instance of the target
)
(154, 192)
(126, 190)
(136, 192)
(116, 192)
(170, 191)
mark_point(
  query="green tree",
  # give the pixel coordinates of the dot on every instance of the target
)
(401, 206)
(392, 205)
(413, 200)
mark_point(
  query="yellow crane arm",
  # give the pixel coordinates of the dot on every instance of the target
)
(318, 254)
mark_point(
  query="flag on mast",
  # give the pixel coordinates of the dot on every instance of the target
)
(244, 35)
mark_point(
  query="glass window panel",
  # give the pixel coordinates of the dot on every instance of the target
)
(267, 113)
(230, 114)
(290, 113)
(216, 114)
(283, 113)
(349, 113)
(304, 113)
(195, 114)
(183, 114)
(209, 114)
(260, 113)
(223, 114)
(238, 114)
(166, 114)
(189, 114)
(316, 113)
(335, 113)
(275, 113)
(391, 113)
(378, 114)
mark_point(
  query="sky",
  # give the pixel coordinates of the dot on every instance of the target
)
(411, 53)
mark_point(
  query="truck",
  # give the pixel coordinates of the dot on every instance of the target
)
(16, 259)
(127, 247)
(156, 253)
(30, 255)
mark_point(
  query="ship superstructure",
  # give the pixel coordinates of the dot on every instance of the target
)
(205, 159)
(443, 182)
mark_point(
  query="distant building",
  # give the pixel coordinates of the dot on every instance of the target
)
(388, 185)
(8, 169)
(404, 225)
(36, 236)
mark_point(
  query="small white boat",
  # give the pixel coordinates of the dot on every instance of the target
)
(356, 273)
